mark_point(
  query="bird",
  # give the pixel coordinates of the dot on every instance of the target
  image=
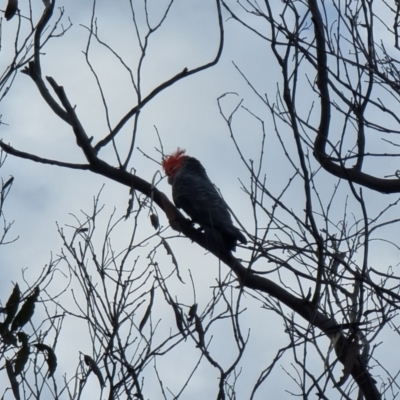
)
(195, 194)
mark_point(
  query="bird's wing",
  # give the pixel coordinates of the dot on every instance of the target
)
(201, 201)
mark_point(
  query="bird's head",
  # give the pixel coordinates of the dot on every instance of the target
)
(173, 162)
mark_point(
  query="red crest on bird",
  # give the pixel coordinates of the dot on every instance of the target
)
(173, 162)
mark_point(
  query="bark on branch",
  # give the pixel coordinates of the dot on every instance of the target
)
(353, 174)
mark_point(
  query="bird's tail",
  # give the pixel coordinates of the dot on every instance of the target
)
(236, 234)
(224, 239)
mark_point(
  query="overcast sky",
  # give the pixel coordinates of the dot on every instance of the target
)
(186, 115)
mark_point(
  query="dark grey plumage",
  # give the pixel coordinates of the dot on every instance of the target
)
(193, 191)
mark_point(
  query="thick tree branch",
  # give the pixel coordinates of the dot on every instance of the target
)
(28, 156)
(246, 277)
(354, 175)
(82, 138)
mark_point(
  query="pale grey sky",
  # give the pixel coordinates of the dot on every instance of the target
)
(186, 115)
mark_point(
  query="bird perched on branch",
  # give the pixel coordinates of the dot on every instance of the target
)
(193, 192)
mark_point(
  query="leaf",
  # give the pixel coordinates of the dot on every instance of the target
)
(178, 318)
(351, 353)
(199, 329)
(130, 203)
(11, 9)
(7, 184)
(93, 366)
(21, 359)
(22, 338)
(7, 336)
(148, 311)
(192, 312)
(169, 252)
(154, 221)
(26, 311)
(51, 358)
(13, 380)
(12, 305)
